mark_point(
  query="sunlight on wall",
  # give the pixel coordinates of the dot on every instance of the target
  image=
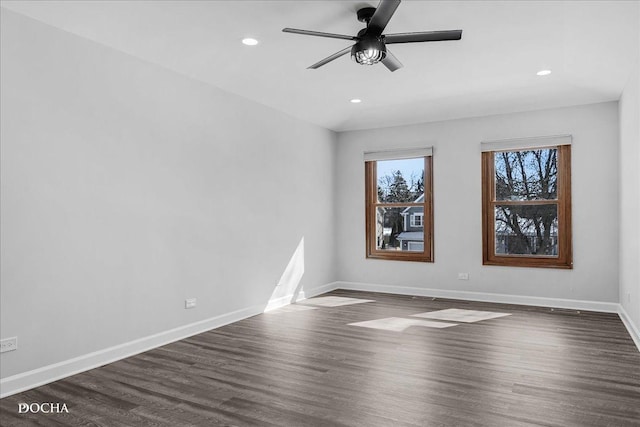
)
(289, 287)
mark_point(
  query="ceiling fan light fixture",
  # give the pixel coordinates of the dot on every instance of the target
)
(368, 51)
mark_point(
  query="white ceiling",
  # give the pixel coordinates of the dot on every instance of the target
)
(589, 45)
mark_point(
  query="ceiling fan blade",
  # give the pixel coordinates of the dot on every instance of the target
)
(318, 33)
(425, 36)
(330, 58)
(391, 62)
(381, 16)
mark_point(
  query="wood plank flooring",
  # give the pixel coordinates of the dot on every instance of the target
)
(306, 366)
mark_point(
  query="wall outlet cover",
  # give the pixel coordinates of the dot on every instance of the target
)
(9, 344)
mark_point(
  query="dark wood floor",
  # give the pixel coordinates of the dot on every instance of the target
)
(310, 368)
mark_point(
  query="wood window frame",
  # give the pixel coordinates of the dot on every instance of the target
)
(564, 259)
(371, 202)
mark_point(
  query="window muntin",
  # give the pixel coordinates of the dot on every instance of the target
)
(527, 207)
(398, 199)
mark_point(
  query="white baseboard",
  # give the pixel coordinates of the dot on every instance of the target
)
(46, 374)
(607, 307)
(302, 295)
(631, 327)
(321, 290)
(285, 300)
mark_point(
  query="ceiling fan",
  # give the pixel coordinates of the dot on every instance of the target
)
(370, 47)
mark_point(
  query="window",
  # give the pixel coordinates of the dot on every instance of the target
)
(399, 213)
(416, 220)
(526, 203)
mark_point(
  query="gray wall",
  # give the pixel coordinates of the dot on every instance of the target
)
(457, 205)
(630, 195)
(127, 188)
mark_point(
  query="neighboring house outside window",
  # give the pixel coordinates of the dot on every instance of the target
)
(412, 236)
(526, 202)
(399, 220)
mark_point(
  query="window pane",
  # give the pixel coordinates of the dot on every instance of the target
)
(526, 175)
(400, 180)
(526, 230)
(395, 232)
(416, 219)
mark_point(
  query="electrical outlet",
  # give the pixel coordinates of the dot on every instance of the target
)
(463, 276)
(190, 303)
(9, 344)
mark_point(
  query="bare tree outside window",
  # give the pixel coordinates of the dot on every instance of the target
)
(527, 207)
(526, 176)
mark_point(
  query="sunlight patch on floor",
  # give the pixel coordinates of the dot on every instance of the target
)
(460, 315)
(399, 324)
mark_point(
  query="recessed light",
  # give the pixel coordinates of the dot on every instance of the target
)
(543, 73)
(355, 101)
(249, 41)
